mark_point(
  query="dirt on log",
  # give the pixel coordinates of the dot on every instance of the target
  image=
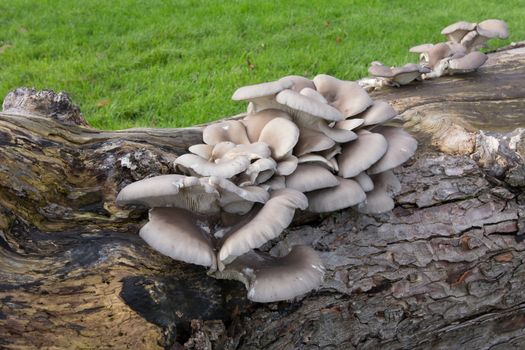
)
(444, 269)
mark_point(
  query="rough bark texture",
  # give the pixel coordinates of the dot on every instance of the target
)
(444, 269)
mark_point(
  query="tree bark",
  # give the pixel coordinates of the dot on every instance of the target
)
(444, 269)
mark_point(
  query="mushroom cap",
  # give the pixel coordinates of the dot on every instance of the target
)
(220, 149)
(349, 124)
(312, 141)
(493, 28)
(408, 73)
(401, 146)
(270, 279)
(229, 130)
(254, 123)
(347, 96)
(378, 69)
(423, 48)
(301, 104)
(261, 96)
(364, 181)
(277, 182)
(437, 53)
(313, 94)
(379, 200)
(317, 159)
(202, 150)
(339, 135)
(299, 83)
(359, 155)
(260, 171)
(261, 90)
(281, 135)
(380, 112)
(172, 232)
(256, 150)
(172, 191)
(456, 31)
(193, 164)
(287, 165)
(308, 178)
(467, 63)
(267, 224)
(344, 195)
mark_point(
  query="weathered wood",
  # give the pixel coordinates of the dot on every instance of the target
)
(444, 269)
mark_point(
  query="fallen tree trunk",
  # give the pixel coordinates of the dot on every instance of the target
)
(444, 269)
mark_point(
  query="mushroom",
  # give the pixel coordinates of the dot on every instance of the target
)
(456, 31)
(344, 195)
(379, 200)
(486, 30)
(308, 178)
(230, 130)
(172, 232)
(270, 279)
(281, 135)
(467, 63)
(267, 224)
(262, 96)
(380, 112)
(401, 146)
(396, 76)
(347, 96)
(359, 155)
(254, 123)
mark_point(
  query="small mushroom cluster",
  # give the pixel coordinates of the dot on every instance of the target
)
(458, 55)
(319, 145)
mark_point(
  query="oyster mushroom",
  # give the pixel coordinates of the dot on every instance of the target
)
(456, 31)
(270, 279)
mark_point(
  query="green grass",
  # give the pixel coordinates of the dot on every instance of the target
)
(177, 63)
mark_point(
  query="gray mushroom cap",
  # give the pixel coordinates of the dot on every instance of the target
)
(230, 130)
(364, 181)
(179, 191)
(467, 63)
(422, 48)
(344, 195)
(456, 31)
(281, 135)
(262, 96)
(254, 123)
(359, 155)
(400, 75)
(312, 141)
(270, 279)
(380, 112)
(401, 146)
(300, 104)
(308, 178)
(347, 96)
(193, 164)
(267, 224)
(172, 232)
(493, 28)
(201, 195)
(379, 200)
(437, 53)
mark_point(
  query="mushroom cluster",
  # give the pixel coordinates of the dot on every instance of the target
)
(458, 55)
(319, 145)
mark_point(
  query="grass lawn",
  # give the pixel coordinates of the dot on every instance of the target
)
(177, 63)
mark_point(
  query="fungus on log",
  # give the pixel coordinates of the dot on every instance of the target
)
(443, 268)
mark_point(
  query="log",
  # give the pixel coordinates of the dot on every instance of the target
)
(444, 269)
